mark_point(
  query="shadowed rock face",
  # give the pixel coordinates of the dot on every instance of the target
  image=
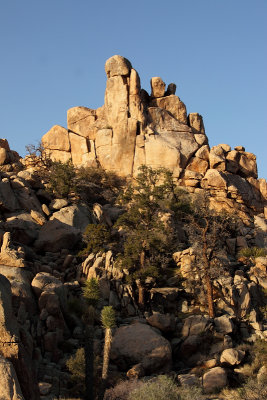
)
(12, 348)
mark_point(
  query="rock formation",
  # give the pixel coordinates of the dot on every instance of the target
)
(133, 128)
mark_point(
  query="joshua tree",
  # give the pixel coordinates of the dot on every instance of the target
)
(108, 322)
(91, 294)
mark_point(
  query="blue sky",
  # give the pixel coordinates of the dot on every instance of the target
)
(53, 54)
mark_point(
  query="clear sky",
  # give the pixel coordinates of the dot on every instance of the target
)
(53, 54)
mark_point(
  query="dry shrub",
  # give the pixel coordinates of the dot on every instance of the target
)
(252, 390)
(122, 390)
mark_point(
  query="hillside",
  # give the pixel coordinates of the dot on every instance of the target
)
(173, 233)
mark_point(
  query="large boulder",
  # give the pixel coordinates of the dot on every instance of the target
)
(23, 227)
(164, 322)
(56, 138)
(224, 324)
(232, 356)
(157, 87)
(10, 255)
(196, 325)
(77, 216)
(215, 379)
(45, 281)
(140, 344)
(117, 66)
(56, 235)
(20, 280)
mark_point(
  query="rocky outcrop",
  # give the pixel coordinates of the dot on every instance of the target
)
(133, 128)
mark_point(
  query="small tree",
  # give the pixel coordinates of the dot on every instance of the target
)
(207, 231)
(148, 240)
(96, 237)
(61, 178)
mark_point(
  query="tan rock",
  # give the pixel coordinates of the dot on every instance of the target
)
(217, 158)
(197, 164)
(247, 165)
(263, 188)
(9, 255)
(3, 156)
(173, 105)
(135, 86)
(9, 384)
(58, 155)
(56, 138)
(196, 123)
(214, 179)
(203, 152)
(214, 379)
(157, 87)
(79, 149)
(38, 217)
(232, 356)
(116, 102)
(77, 216)
(103, 148)
(201, 139)
(161, 121)
(117, 66)
(43, 281)
(240, 148)
(81, 120)
(232, 161)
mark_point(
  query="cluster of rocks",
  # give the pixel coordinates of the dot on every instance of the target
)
(9, 159)
(134, 128)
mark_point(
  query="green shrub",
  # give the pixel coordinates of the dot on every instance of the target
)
(61, 178)
(252, 252)
(259, 350)
(96, 237)
(76, 365)
(76, 306)
(91, 291)
(94, 184)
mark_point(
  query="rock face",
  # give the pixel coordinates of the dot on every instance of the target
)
(133, 128)
(12, 349)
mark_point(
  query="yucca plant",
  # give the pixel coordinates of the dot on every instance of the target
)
(252, 252)
(108, 320)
